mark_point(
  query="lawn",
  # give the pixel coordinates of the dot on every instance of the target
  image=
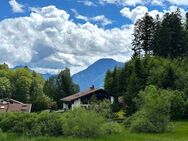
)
(180, 133)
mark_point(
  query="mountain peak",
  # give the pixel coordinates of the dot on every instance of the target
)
(95, 73)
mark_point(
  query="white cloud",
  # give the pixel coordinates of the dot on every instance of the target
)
(16, 7)
(122, 2)
(100, 19)
(87, 2)
(179, 2)
(48, 41)
(143, 2)
(138, 12)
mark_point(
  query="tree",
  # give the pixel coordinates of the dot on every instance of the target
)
(50, 88)
(168, 79)
(143, 35)
(22, 92)
(5, 87)
(154, 111)
(186, 24)
(108, 82)
(42, 103)
(136, 43)
(171, 36)
(60, 86)
(37, 85)
(147, 36)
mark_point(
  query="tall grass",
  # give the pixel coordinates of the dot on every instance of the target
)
(180, 133)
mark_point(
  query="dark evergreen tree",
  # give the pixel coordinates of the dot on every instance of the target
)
(186, 24)
(171, 36)
(147, 33)
(157, 25)
(136, 43)
(169, 78)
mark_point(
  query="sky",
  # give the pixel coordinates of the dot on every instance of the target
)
(49, 35)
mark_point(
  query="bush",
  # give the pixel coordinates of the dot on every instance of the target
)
(178, 105)
(45, 124)
(111, 128)
(102, 108)
(77, 123)
(82, 123)
(48, 124)
(154, 111)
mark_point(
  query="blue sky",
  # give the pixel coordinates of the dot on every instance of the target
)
(49, 35)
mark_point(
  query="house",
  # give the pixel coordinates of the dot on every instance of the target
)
(83, 99)
(11, 105)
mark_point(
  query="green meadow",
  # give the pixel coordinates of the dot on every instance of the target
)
(178, 133)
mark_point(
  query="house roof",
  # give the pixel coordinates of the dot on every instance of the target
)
(11, 105)
(80, 94)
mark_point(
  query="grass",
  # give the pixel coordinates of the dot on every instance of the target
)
(180, 133)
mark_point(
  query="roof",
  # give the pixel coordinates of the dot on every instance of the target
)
(80, 94)
(11, 105)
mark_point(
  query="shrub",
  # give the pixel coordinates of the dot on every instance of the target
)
(154, 111)
(77, 123)
(111, 128)
(102, 108)
(46, 124)
(82, 123)
(178, 105)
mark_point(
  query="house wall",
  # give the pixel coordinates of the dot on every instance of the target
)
(65, 106)
(76, 103)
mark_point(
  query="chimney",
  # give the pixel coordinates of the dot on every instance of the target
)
(92, 87)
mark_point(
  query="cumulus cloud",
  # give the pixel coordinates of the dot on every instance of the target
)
(139, 12)
(100, 19)
(143, 2)
(48, 40)
(16, 7)
(179, 2)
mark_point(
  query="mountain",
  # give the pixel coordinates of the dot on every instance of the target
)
(95, 73)
(46, 76)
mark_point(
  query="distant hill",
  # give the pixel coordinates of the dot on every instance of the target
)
(95, 73)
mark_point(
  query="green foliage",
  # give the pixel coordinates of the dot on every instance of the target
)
(110, 128)
(42, 103)
(166, 38)
(89, 124)
(178, 104)
(163, 73)
(44, 124)
(154, 111)
(60, 86)
(5, 87)
(115, 105)
(82, 123)
(102, 108)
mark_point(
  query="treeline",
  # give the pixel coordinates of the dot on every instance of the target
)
(139, 73)
(157, 71)
(28, 86)
(166, 37)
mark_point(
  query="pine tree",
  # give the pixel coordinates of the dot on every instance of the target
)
(157, 25)
(136, 43)
(147, 33)
(171, 42)
(186, 24)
